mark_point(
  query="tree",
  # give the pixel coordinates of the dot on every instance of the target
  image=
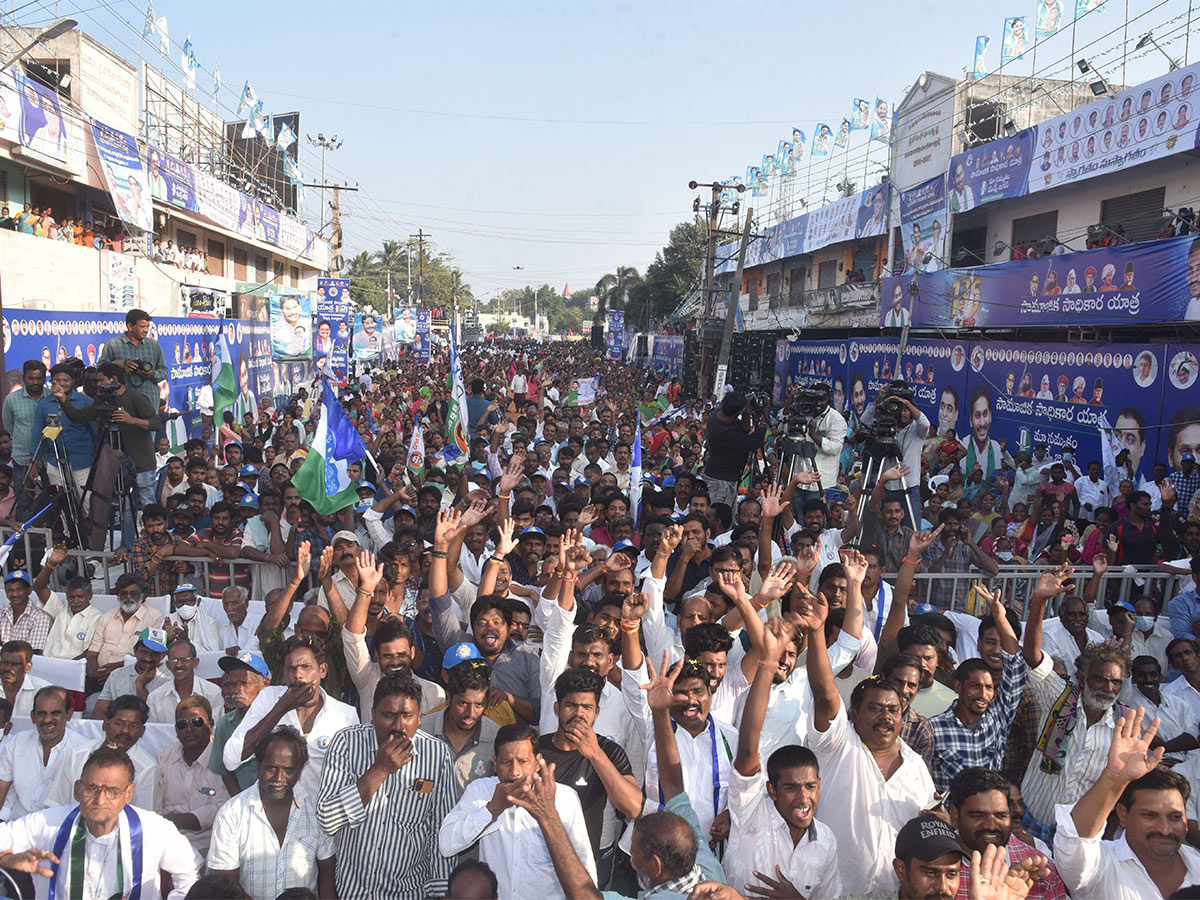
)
(676, 272)
(612, 290)
(368, 273)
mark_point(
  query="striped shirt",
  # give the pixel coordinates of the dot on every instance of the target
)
(387, 848)
(147, 351)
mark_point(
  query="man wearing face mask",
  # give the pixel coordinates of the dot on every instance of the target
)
(187, 621)
(1148, 636)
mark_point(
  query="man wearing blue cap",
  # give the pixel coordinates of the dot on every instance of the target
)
(21, 620)
(245, 675)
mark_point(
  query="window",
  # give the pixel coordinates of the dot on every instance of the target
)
(294, 275)
(774, 295)
(1139, 214)
(796, 286)
(827, 274)
(1031, 229)
(185, 239)
(277, 269)
(239, 264)
(753, 286)
(260, 267)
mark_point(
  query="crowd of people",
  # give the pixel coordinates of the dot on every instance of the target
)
(190, 258)
(40, 222)
(601, 650)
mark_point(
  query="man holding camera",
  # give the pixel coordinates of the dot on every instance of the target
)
(827, 431)
(730, 442)
(140, 356)
(134, 415)
(895, 399)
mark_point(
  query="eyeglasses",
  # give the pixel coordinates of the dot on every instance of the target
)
(175, 660)
(93, 791)
(194, 721)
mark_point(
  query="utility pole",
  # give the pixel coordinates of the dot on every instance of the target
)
(735, 294)
(336, 263)
(420, 237)
(710, 263)
(325, 144)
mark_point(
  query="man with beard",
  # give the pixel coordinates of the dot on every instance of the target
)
(515, 667)
(1079, 721)
(300, 702)
(267, 837)
(395, 646)
(594, 766)
(23, 785)
(118, 629)
(244, 677)
(1150, 858)
(140, 677)
(124, 725)
(509, 837)
(461, 722)
(973, 732)
(774, 829)
(881, 783)
(381, 774)
(954, 551)
(979, 809)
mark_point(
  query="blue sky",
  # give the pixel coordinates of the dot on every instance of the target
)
(560, 136)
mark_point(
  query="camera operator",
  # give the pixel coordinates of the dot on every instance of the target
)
(77, 440)
(911, 428)
(827, 431)
(140, 356)
(135, 416)
(731, 437)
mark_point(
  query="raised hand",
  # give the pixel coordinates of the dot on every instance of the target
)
(1113, 543)
(777, 634)
(660, 691)
(672, 537)
(1100, 562)
(772, 504)
(1130, 756)
(1053, 582)
(506, 544)
(992, 599)
(303, 560)
(31, 860)
(514, 473)
(808, 611)
(536, 794)
(59, 554)
(635, 606)
(370, 572)
(474, 514)
(732, 586)
(778, 582)
(920, 541)
(1022, 875)
(895, 473)
(855, 565)
(989, 872)
(806, 477)
(578, 559)
(325, 567)
(588, 516)
(807, 557)
(449, 526)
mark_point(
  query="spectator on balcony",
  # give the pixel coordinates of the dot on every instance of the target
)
(7, 222)
(25, 219)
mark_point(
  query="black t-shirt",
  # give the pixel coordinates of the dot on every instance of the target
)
(1139, 546)
(728, 446)
(571, 768)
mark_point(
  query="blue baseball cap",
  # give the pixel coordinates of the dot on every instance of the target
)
(625, 545)
(249, 469)
(1123, 604)
(250, 661)
(924, 609)
(532, 531)
(460, 653)
(17, 575)
(250, 501)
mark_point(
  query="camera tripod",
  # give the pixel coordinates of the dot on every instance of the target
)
(71, 510)
(111, 502)
(798, 454)
(882, 453)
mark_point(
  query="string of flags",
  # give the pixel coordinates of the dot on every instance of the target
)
(1017, 38)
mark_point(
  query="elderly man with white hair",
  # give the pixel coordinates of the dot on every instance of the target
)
(236, 634)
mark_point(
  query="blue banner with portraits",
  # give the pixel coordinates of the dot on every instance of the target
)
(802, 363)
(187, 344)
(290, 316)
(331, 342)
(668, 353)
(923, 225)
(994, 171)
(1180, 409)
(1147, 282)
(421, 336)
(616, 331)
(368, 337)
(936, 371)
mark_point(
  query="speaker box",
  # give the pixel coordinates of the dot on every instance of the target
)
(597, 337)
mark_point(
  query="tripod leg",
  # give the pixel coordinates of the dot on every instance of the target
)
(908, 503)
(868, 483)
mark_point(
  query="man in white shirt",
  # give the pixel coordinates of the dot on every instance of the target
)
(139, 677)
(124, 726)
(1093, 491)
(245, 843)
(189, 793)
(16, 659)
(1178, 725)
(773, 809)
(1065, 637)
(510, 840)
(236, 635)
(181, 663)
(300, 702)
(263, 538)
(29, 760)
(1150, 859)
(73, 616)
(827, 431)
(880, 783)
(85, 836)
(188, 620)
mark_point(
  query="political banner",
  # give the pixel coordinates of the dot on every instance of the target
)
(1015, 41)
(668, 353)
(822, 139)
(923, 225)
(331, 344)
(843, 135)
(1055, 394)
(799, 138)
(43, 133)
(881, 122)
(784, 160)
(616, 330)
(122, 281)
(368, 340)
(187, 344)
(421, 337)
(1180, 412)
(860, 114)
(124, 176)
(1049, 18)
(992, 171)
(980, 68)
(406, 325)
(291, 327)
(1120, 285)
(801, 363)
(935, 371)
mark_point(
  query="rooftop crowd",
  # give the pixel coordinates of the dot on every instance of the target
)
(532, 669)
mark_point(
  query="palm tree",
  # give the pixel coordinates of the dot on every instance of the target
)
(364, 278)
(392, 258)
(612, 289)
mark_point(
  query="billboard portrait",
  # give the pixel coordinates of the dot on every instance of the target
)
(368, 337)
(421, 337)
(331, 342)
(923, 225)
(616, 331)
(124, 176)
(43, 132)
(668, 353)
(291, 326)
(801, 363)
(936, 371)
(1180, 411)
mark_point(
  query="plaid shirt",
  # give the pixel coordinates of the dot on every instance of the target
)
(1049, 888)
(1022, 738)
(917, 733)
(960, 746)
(19, 411)
(32, 625)
(1185, 485)
(164, 580)
(222, 574)
(148, 351)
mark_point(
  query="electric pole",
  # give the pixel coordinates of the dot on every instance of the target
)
(336, 263)
(731, 309)
(420, 238)
(710, 263)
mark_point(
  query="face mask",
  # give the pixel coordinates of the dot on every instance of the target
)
(1145, 623)
(1005, 555)
(1067, 457)
(187, 612)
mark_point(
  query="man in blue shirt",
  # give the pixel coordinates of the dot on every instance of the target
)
(479, 410)
(77, 440)
(1184, 609)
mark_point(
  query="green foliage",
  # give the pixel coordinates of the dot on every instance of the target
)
(368, 274)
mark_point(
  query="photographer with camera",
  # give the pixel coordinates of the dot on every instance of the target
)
(134, 415)
(140, 356)
(827, 430)
(76, 441)
(893, 410)
(731, 436)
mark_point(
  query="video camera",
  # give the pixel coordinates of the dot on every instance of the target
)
(804, 406)
(892, 397)
(107, 400)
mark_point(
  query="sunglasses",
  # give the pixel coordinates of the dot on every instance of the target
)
(194, 721)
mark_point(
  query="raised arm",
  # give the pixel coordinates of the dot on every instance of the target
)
(505, 546)
(279, 608)
(855, 565)
(447, 528)
(536, 796)
(917, 544)
(777, 634)
(1129, 758)
(1051, 583)
(809, 618)
(660, 695)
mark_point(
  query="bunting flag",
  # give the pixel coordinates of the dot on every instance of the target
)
(285, 138)
(1049, 18)
(635, 472)
(164, 39)
(860, 114)
(843, 135)
(981, 46)
(416, 453)
(224, 378)
(799, 138)
(822, 137)
(881, 122)
(262, 124)
(148, 28)
(323, 479)
(247, 101)
(456, 419)
(188, 60)
(1016, 39)
(216, 86)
